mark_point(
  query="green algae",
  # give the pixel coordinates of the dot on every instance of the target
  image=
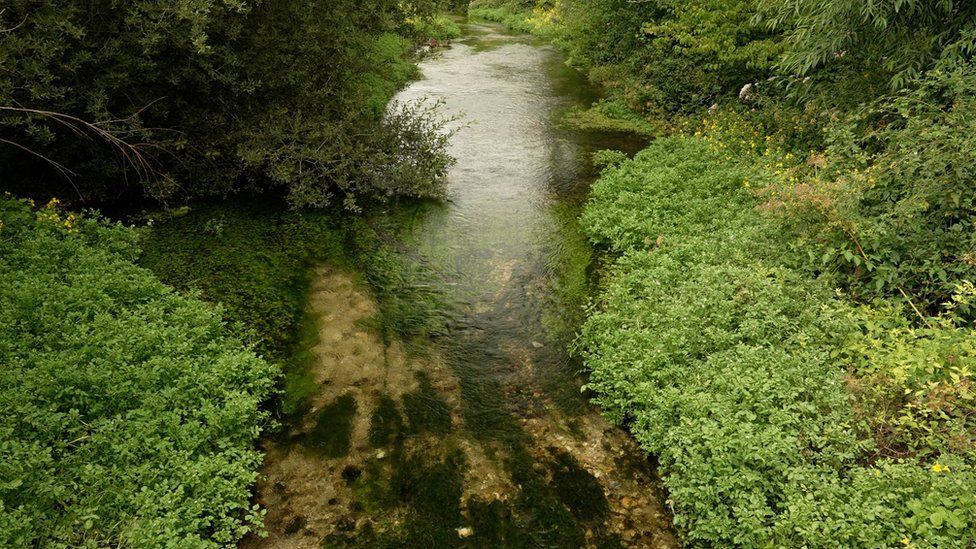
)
(386, 423)
(333, 427)
(426, 410)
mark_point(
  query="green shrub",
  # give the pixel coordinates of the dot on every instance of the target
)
(887, 209)
(514, 15)
(130, 412)
(609, 116)
(214, 97)
(897, 41)
(733, 369)
(914, 383)
(657, 57)
(391, 69)
(439, 28)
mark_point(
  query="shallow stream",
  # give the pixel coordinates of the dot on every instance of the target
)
(478, 435)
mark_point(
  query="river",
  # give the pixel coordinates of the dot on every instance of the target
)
(478, 435)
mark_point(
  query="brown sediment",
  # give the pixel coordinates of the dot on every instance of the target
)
(637, 512)
(608, 453)
(306, 495)
(310, 497)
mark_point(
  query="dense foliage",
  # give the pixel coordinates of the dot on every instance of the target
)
(781, 415)
(888, 209)
(786, 321)
(130, 411)
(205, 97)
(788, 324)
(897, 41)
(873, 100)
(657, 57)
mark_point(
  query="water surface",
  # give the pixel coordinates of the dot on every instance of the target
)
(482, 437)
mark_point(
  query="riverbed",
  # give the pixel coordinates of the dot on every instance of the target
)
(477, 434)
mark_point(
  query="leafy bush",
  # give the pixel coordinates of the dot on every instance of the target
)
(898, 41)
(914, 384)
(733, 369)
(295, 94)
(887, 208)
(130, 412)
(514, 14)
(440, 28)
(611, 117)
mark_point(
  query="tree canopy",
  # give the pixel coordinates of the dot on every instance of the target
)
(106, 99)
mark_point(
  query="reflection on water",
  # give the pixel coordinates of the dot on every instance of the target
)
(483, 439)
(514, 164)
(508, 237)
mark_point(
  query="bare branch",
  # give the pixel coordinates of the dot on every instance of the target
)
(65, 172)
(13, 28)
(130, 152)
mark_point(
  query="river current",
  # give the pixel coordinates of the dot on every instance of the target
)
(478, 435)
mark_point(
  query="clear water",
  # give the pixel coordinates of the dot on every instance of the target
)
(487, 440)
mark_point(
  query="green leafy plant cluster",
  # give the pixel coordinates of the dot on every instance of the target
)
(892, 42)
(913, 384)
(872, 101)
(513, 15)
(887, 208)
(758, 388)
(101, 102)
(610, 116)
(439, 28)
(130, 411)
